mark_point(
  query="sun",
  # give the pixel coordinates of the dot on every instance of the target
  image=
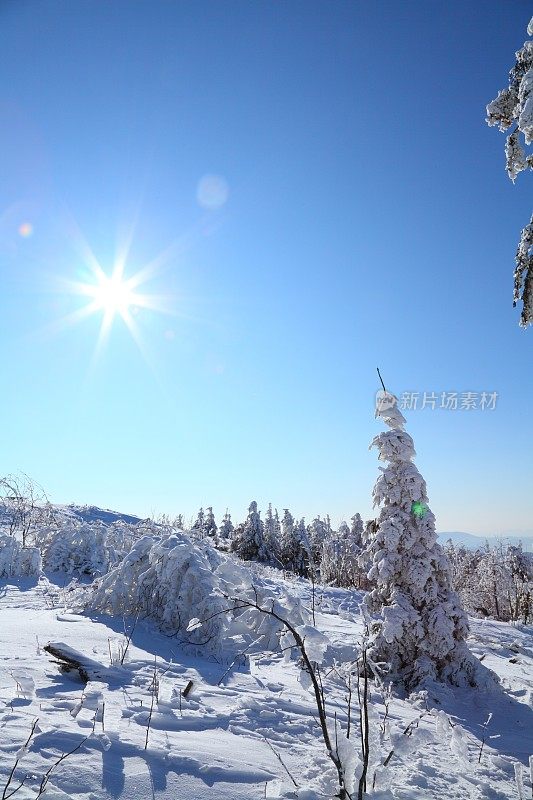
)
(118, 293)
(113, 295)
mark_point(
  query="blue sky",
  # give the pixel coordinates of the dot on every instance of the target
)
(361, 216)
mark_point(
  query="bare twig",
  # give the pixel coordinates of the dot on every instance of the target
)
(281, 762)
(241, 602)
(349, 704)
(407, 732)
(62, 757)
(365, 733)
(128, 638)
(5, 794)
(154, 693)
(484, 736)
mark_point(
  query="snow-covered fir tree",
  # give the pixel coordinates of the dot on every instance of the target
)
(295, 548)
(270, 551)
(210, 526)
(317, 533)
(225, 532)
(356, 530)
(344, 530)
(417, 628)
(248, 541)
(288, 541)
(303, 562)
(513, 107)
(198, 526)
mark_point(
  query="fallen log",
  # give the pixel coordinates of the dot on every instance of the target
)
(69, 658)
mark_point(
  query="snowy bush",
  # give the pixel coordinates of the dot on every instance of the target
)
(340, 555)
(494, 581)
(24, 506)
(78, 548)
(191, 589)
(90, 548)
(16, 560)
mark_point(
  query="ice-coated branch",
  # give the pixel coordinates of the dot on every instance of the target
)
(515, 105)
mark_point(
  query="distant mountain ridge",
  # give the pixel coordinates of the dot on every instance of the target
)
(88, 513)
(472, 542)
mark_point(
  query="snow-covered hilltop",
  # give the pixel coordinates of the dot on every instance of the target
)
(265, 659)
(246, 710)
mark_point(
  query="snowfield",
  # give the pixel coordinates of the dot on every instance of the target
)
(248, 721)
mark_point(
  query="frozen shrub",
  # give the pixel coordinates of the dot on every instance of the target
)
(16, 560)
(79, 549)
(340, 555)
(191, 589)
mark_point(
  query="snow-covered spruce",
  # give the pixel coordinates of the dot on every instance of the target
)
(175, 580)
(294, 544)
(270, 552)
(417, 628)
(225, 532)
(197, 528)
(317, 532)
(210, 526)
(249, 539)
(16, 560)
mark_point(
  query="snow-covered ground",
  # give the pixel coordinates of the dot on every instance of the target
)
(222, 739)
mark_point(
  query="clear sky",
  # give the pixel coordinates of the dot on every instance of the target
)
(308, 189)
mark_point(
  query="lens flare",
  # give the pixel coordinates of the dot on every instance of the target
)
(212, 192)
(25, 230)
(419, 509)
